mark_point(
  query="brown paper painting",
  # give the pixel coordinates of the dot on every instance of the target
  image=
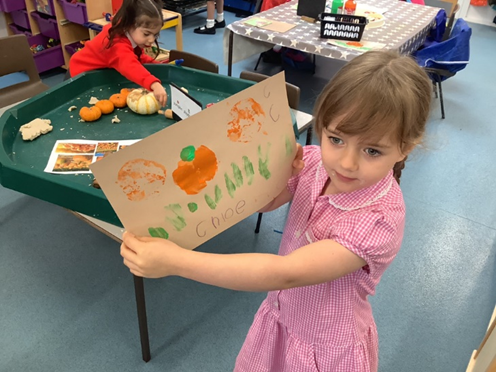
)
(194, 179)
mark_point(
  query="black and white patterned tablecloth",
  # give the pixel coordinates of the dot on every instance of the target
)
(405, 29)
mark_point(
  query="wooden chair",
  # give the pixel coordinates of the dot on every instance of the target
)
(293, 93)
(15, 56)
(194, 61)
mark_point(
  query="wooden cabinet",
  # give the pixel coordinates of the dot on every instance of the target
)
(68, 32)
(67, 21)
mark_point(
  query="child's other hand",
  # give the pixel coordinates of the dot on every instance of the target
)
(149, 257)
(159, 93)
(298, 163)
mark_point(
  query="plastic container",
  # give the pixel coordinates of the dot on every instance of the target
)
(20, 18)
(44, 6)
(341, 26)
(75, 13)
(47, 25)
(19, 30)
(73, 47)
(8, 6)
(48, 58)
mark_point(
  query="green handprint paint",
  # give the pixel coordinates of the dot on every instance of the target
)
(158, 232)
(178, 221)
(263, 162)
(210, 202)
(249, 171)
(238, 176)
(289, 147)
(192, 207)
(218, 194)
(231, 187)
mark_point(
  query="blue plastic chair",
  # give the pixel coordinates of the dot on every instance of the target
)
(444, 59)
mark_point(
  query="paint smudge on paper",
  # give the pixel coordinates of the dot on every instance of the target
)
(192, 175)
(247, 118)
(231, 187)
(289, 147)
(263, 162)
(141, 178)
(177, 220)
(193, 207)
(188, 153)
(249, 171)
(210, 202)
(218, 194)
(237, 175)
(158, 232)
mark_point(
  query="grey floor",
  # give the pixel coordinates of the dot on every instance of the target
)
(67, 301)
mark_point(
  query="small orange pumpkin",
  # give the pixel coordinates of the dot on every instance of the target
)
(118, 99)
(90, 113)
(126, 91)
(105, 106)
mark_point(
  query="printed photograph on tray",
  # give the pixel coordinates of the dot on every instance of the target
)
(75, 156)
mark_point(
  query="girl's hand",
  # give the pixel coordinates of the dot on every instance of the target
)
(149, 257)
(159, 93)
(298, 163)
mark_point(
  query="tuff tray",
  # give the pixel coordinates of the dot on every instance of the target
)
(22, 163)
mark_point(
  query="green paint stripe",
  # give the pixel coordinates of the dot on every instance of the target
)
(218, 194)
(158, 232)
(210, 202)
(249, 171)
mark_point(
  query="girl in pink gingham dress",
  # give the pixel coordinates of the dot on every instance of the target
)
(344, 228)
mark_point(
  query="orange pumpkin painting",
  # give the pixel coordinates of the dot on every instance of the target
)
(247, 117)
(195, 169)
(139, 179)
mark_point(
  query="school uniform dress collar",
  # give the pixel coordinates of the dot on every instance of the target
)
(133, 44)
(359, 198)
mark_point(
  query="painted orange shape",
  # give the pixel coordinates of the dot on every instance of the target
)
(247, 116)
(141, 178)
(192, 176)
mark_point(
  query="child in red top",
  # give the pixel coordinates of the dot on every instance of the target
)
(120, 45)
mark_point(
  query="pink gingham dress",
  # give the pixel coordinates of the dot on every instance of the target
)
(328, 327)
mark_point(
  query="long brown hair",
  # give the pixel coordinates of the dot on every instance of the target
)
(378, 94)
(133, 14)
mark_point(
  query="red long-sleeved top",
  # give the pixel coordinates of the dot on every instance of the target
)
(119, 56)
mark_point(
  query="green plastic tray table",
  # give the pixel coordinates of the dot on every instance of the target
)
(22, 163)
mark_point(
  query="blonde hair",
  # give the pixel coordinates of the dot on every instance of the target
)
(375, 95)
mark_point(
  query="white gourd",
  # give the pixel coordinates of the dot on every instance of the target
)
(142, 102)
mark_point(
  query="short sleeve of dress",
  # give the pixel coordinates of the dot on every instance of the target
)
(373, 235)
(311, 158)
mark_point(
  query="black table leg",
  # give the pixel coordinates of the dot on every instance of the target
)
(230, 53)
(139, 290)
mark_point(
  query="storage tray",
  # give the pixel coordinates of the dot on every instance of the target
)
(8, 6)
(20, 30)
(74, 12)
(22, 163)
(74, 47)
(48, 58)
(47, 25)
(20, 18)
